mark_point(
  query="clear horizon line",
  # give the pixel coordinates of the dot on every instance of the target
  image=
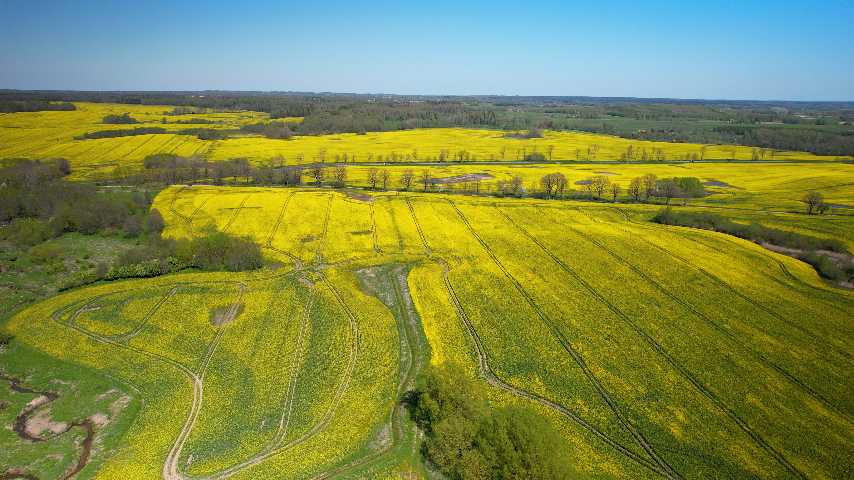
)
(470, 95)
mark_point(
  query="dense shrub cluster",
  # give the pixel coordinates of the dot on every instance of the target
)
(13, 106)
(123, 119)
(38, 205)
(808, 248)
(752, 231)
(468, 439)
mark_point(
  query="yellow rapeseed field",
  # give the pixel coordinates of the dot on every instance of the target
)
(651, 349)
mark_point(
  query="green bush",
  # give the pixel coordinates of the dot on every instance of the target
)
(27, 231)
(753, 231)
(468, 439)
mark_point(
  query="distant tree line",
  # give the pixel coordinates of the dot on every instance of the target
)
(822, 128)
(14, 106)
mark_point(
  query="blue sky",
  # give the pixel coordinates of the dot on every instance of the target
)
(749, 49)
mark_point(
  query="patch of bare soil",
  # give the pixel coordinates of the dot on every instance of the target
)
(469, 177)
(362, 197)
(607, 173)
(717, 183)
(225, 314)
(583, 182)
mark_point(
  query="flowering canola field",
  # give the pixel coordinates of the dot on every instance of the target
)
(51, 134)
(657, 352)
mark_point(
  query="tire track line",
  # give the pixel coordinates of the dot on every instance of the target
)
(574, 354)
(235, 213)
(699, 386)
(492, 378)
(334, 404)
(489, 375)
(269, 242)
(418, 227)
(721, 329)
(732, 289)
(123, 337)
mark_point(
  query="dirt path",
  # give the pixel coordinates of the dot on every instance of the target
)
(170, 466)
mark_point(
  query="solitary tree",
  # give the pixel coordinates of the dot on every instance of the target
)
(815, 203)
(615, 190)
(384, 178)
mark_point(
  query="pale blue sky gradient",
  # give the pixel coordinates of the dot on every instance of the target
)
(749, 49)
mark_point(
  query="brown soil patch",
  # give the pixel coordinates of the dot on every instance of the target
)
(469, 177)
(362, 197)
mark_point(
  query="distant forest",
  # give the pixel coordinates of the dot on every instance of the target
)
(823, 128)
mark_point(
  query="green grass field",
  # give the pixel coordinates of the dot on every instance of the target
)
(655, 351)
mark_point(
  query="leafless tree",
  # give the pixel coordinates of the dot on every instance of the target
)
(384, 178)
(340, 176)
(553, 184)
(426, 178)
(406, 179)
(516, 185)
(648, 181)
(815, 202)
(636, 188)
(373, 178)
(600, 184)
(615, 190)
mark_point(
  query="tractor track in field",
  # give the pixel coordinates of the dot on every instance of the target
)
(492, 378)
(318, 253)
(287, 403)
(690, 234)
(124, 337)
(170, 465)
(817, 396)
(744, 297)
(100, 339)
(411, 363)
(320, 426)
(374, 237)
(133, 150)
(269, 241)
(574, 354)
(716, 326)
(418, 227)
(235, 213)
(699, 386)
